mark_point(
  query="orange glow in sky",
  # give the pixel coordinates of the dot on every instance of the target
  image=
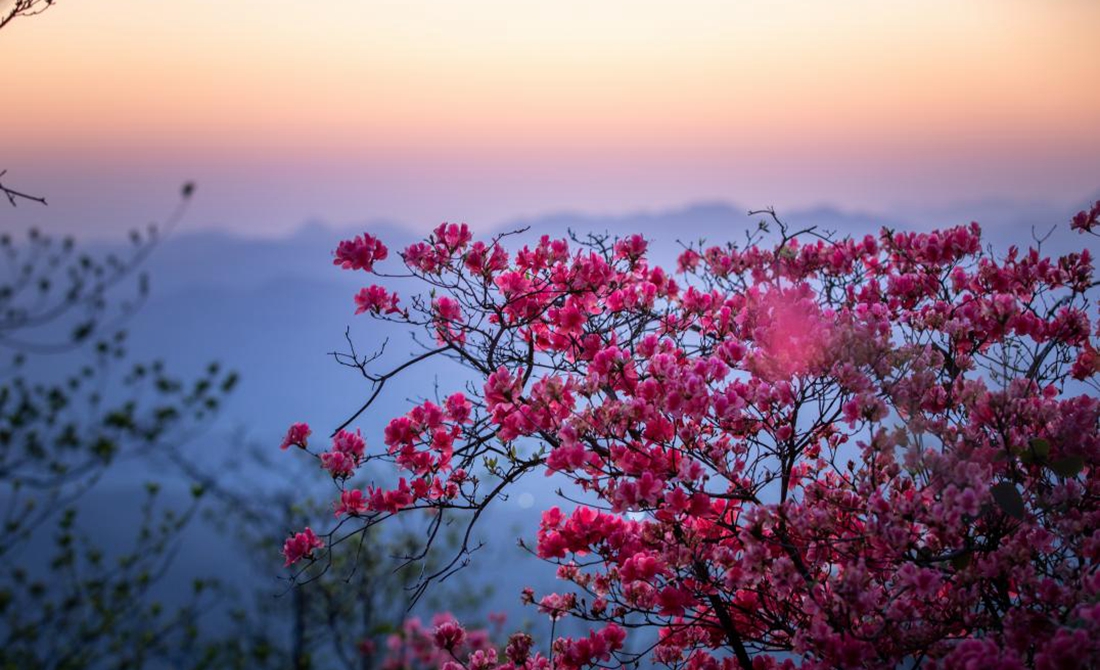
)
(484, 109)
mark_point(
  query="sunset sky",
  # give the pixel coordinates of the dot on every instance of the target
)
(481, 110)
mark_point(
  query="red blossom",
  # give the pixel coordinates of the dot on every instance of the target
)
(301, 545)
(1085, 220)
(376, 300)
(360, 253)
(297, 435)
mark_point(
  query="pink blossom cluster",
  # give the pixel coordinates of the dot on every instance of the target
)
(297, 435)
(1085, 220)
(301, 545)
(593, 650)
(440, 251)
(360, 253)
(448, 317)
(345, 455)
(446, 645)
(376, 300)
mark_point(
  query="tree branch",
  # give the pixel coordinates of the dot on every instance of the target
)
(13, 195)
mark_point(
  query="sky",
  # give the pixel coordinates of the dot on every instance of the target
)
(484, 110)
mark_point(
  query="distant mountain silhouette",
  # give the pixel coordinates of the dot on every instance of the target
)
(229, 261)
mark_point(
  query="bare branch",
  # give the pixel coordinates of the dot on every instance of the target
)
(14, 196)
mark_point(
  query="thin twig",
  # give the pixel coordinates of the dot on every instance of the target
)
(13, 195)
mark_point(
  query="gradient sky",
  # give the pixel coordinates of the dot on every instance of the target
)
(481, 110)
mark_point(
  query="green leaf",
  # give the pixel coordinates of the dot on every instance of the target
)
(1067, 466)
(1041, 448)
(962, 561)
(1008, 499)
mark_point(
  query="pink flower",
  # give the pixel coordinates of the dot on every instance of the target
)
(453, 235)
(391, 501)
(447, 309)
(346, 454)
(349, 443)
(519, 648)
(296, 435)
(376, 300)
(1085, 220)
(631, 248)
(400, 432)
(300, 546)
(339, 464)
(483, 260)
(501, 387)
(360, 253)
(1087, 363)
(458, 408)
(448, 315)
(688, 261)
(352, 502)
(557, 605)
(449, 635)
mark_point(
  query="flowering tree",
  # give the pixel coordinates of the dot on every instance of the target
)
(799, 451)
